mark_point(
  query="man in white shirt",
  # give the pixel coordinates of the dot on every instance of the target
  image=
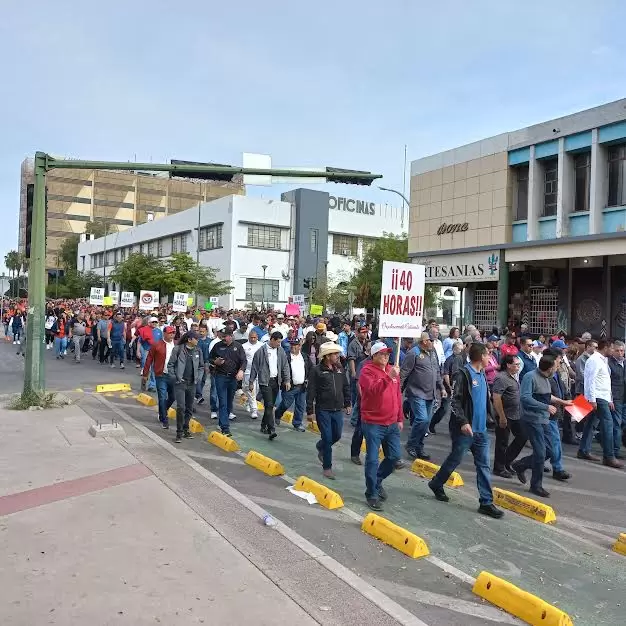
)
(299, 367)
(281, 326)
(188, 319)
(437, 345)
(250, 348)
(597, 383)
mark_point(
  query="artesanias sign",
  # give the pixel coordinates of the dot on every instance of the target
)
(474, 267)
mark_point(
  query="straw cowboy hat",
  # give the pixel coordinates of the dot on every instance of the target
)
(328, 348)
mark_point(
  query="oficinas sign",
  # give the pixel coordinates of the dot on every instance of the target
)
(447, 229)
(352, 206)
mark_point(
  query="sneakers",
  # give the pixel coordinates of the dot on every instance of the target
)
(586, 456)
(179, 438)
(562, 475)
(374, 504)
(112, 366)
(213, 415)
(521, 474)
(165, 426)
(15, 343)
(232, 417)
(440, 493)
(382, 494)
(273, 435)
(264, 429)
(412, 452)
(541, 492)
(200, 400)
(490, 510)
(399, 464)
(122, 366)
(356, 460)
(300, 429)
(424, 457)
(187, 435)
(254, 415)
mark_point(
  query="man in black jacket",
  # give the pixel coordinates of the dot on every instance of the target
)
(618, 389)
(471, 405)
(328, 389)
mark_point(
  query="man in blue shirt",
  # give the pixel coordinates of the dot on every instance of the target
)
(525, 354)
(468, 426)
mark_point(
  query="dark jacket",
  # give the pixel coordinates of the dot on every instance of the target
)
(528, 362)
(234, 358)
(462, 403)
(261, 367)
(420, 374)
(178, 360)
(618, 380)
(328, 389)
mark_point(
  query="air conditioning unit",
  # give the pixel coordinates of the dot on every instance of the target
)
(345, 252)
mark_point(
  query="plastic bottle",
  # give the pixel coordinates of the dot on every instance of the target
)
(268, 520)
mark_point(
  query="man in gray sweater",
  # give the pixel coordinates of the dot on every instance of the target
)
(537, 405)
(421, 377)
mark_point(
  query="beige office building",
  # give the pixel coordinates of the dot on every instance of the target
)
(120, 200)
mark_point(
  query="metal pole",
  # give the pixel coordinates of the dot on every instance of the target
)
(264, 267)
(34, 371)
(404, 200)
(198, 251)
(104, 267)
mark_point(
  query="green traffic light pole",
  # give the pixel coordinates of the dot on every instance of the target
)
(34, 371)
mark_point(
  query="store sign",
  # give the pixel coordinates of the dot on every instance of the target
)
(352, 206)
(448, 229)
(475, 267)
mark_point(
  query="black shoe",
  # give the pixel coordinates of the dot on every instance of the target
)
(424, 457)
(227, 433)
(165, 426)
(375, 505)
(503, 473)
(490, 510)
(178, 438)
(561, 475)
(200, 400)
(541, 492)
(440, 493)
(521, 474)
(399, 464)
(382, 494)
(273, 435)
(546, 470)
(412, 453)
(187, 435)
(264, 430)
(320, 456)
(431, 430)
(356, 460)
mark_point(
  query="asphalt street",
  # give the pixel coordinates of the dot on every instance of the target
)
(569, 564)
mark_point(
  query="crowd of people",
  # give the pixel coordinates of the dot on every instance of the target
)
(515, 385)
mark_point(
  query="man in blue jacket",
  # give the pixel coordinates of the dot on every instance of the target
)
(529, 363)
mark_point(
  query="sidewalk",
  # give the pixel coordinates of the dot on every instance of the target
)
(88, 535)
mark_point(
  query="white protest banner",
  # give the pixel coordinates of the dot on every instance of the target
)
(96, 296)
(115, 297)
(298, 298)
(128, 299)
(148, 300)
(180, 301)
(401, 300)
(214, 300)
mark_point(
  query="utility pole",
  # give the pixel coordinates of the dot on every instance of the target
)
(198, 252)
(264, 268)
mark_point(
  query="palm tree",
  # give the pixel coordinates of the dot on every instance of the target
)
(13, 262)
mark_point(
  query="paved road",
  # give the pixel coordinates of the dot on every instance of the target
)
(569, 564)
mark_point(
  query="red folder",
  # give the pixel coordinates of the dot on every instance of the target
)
(579, 409)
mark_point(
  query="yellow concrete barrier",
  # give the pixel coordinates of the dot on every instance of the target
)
(264, 464)
(620, 545)
(222, 441)
(195, 427)
(287, 417)
(395, 536)
(312, 427)
(328, 498)
(381, 454)
(425, 469)
(259, 406)
(171, 413)
(524, 506)
(144, 398)
(112, 387)
(520, 603)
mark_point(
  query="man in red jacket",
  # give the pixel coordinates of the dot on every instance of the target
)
(158, 357)
(381, 420)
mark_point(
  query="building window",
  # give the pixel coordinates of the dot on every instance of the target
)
(142, 248)
(175, 244)
(160, 248)
(211, 237)
(345, 245)
(264, 237)
(521, 193)
(314, 238)
(259, 290)
(617, 175)
(183, 243)
(582, 168)
(151, 248)
(550, 186)
(544, 310)
(368, 243)
(115, 253)
(109, 260)
(122, 255)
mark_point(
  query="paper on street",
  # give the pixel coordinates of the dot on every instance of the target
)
(305, 495)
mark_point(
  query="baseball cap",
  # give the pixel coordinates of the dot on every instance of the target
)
(379, 346)
(538, 344)
(294, 341)
(321, 326)
(227, 330)
(560, 344)
(169, 329)
(280, 316)
(192, 334)
(493, 338)
(363, 329)
(154, 319)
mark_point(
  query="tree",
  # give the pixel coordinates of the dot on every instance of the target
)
(367, 279)
(183, 274)
(99, 229)
(74, 285)
(68, 252)
(13, 262)
(139, 271)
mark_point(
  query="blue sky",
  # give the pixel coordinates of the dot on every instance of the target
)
(345, 83)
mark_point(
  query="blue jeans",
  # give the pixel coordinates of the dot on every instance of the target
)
(354, 400)
(422, 412)
(225, 387)
(200, 386)
(604, 418)
(330, 424)
(375, 435)
(60, 345)
(117, 350)
(144, 355)
(540, 437)
(213, 395)
(557, 452)
(619, 420)
(165, 396)
(479, 446)
(297, 396)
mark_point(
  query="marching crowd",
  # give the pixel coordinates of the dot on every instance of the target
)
(519, 387)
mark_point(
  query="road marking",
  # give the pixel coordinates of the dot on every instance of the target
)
(382, 601)
(298, 508)
(445, 602)
(23, 500)
(588, 528)
(213, 457)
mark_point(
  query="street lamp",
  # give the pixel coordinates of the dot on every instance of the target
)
(264, 268)
(404, 201)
